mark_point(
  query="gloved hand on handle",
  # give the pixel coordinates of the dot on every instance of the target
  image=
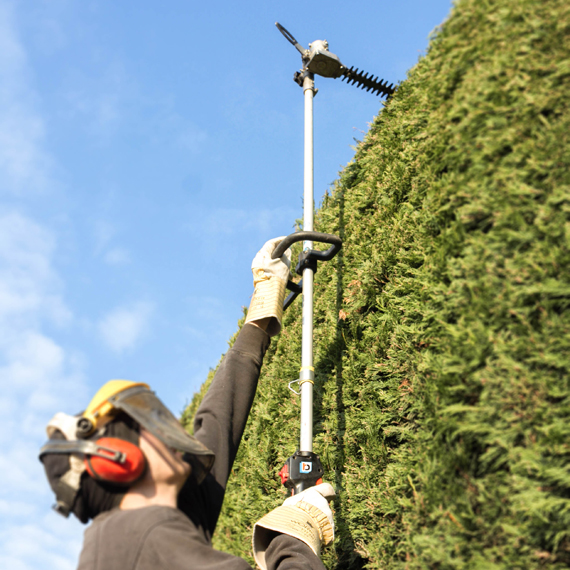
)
(306, 516)
(269, 279)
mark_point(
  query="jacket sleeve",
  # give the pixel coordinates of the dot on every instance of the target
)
(169, 546)
(220, 421)
(222, 415)
(219, 424)
(288, 553)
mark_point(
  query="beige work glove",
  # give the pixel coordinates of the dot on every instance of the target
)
(306, 516)
(269, 279)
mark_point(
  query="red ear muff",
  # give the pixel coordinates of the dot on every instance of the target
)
(116, 461)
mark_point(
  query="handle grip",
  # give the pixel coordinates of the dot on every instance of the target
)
(290, 38)
(335, 241)
(301, 471)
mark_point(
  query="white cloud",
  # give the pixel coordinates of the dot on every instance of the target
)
(164, 125)
(39, 377)
(213, 315)
(117, 256)
(29, 287)
(223, 222)
(24, 165)
(124, 327)
(100, 98)
(45, 543)
(104, 233)
(190, 137)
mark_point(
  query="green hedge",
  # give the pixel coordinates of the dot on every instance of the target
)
(442, 332)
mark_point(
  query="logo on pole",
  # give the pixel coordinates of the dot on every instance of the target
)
(306, 467)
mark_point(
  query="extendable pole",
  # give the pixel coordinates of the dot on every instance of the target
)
(307, 373)
(304, 468)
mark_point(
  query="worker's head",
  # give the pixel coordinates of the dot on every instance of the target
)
(125, 433)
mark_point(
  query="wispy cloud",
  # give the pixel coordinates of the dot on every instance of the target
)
(212, 314)
(46, 543)
(38, 377)
(29, 287)
(105, 233)
(124, 327)
(100, 97)
(117, 256)
(189, 137)
(106, 98)
(165, 125)
(24, 165)
(224, 222)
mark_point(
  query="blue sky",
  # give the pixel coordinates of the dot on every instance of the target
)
(147, 151)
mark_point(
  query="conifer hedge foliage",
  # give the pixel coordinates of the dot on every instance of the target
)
(442, 333)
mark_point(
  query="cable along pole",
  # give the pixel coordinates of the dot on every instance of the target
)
(303, 469)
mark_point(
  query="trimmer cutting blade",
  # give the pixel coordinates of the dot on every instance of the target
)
(370, 83)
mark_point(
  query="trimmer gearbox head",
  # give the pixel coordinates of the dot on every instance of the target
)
(318, 60)
(322, 62)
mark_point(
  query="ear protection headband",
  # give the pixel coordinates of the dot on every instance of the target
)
(107, 459)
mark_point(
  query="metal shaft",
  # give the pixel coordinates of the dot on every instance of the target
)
(307, 374)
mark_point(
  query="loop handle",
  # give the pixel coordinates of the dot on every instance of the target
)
(335, 241)
(290, 38)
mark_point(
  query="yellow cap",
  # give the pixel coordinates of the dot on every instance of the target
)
(100, 410)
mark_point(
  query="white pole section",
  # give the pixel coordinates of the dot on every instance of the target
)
(307, 374)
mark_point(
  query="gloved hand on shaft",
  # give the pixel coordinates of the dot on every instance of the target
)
(306, 516)
(269, 279)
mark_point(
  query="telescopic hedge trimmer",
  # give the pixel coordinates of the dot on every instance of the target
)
(303, 469)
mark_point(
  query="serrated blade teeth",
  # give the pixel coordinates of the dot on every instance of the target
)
(367, 81)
